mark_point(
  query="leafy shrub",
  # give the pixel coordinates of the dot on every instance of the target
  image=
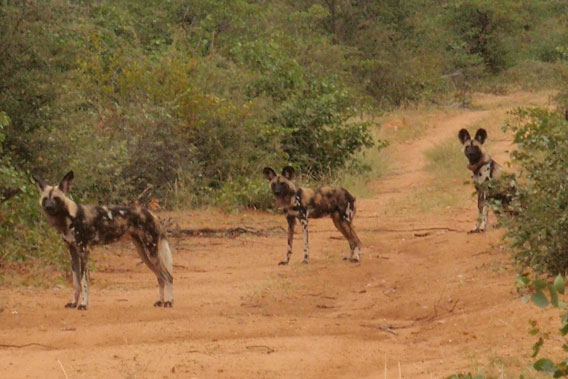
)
(245, 192)
(539, 233)
(539, 288)
(24, 235)
(320, 137)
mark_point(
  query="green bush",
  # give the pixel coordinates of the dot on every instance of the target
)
(24, 235)
(543, 293)
(539, 232)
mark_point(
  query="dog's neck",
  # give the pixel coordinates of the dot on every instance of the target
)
(485, 159)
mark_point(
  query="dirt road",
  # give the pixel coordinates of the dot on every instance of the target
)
(428, 300)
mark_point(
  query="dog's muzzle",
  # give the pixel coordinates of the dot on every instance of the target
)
(49, 207)
(473, 155)
(277, 189)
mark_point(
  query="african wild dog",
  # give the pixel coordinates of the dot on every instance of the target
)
(304, 203)
(486, 174)
(83, 226)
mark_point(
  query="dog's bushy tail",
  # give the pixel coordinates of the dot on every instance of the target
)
(165, 260)
(351, 203)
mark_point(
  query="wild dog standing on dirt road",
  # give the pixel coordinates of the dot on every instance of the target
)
(484, 171)
(304, 203)
(83, 226)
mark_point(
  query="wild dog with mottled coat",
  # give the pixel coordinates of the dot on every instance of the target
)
(484, 171)
(305, 203)
(84, 226)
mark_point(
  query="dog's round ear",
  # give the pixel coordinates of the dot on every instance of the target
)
(464, 136)
(481, 135)
(66, 182)
(269, 173)
(288, 172)
(39, 183)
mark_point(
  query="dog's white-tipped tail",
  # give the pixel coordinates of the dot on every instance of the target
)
(166, 260)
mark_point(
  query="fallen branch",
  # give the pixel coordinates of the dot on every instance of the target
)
(228, 232)
(240, 230)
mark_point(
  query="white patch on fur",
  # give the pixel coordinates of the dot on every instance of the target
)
(483, 174)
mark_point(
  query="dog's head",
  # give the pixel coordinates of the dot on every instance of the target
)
(53, 199)
(281, 185)
(473, 148)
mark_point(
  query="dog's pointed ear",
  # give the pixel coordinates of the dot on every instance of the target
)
(269, 173)
(464, 136)
(481, 135)
(39, 183)
(66, 182)
(288, 172)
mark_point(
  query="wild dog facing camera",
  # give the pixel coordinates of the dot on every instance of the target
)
(84, 226)
(485, 173)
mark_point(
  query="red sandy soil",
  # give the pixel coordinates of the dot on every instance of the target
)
(427, 300)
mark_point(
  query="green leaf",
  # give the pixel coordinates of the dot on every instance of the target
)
(522, 281)
(553, 295)
(539, 299)
(544, 365)
(559, 284)
(536, 347)
(539, 284)
(564, 330)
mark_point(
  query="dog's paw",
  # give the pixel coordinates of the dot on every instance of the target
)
(71, 305)
(168, 304)
(159, 303)
(354, 260)
(82, 307)
(283, 263)
(306, 261)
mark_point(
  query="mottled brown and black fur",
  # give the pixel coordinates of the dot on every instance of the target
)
(304, 203)
(486, 174)
(84, 226)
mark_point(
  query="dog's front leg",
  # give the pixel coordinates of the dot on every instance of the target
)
(84, 258)
(481, 212)
(291, 224)
(75, 268)
(303, 216)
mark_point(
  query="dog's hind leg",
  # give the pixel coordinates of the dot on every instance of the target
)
(346, 228)
(76, 271)
(158, 259)
(354, 242)
(336, 217)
